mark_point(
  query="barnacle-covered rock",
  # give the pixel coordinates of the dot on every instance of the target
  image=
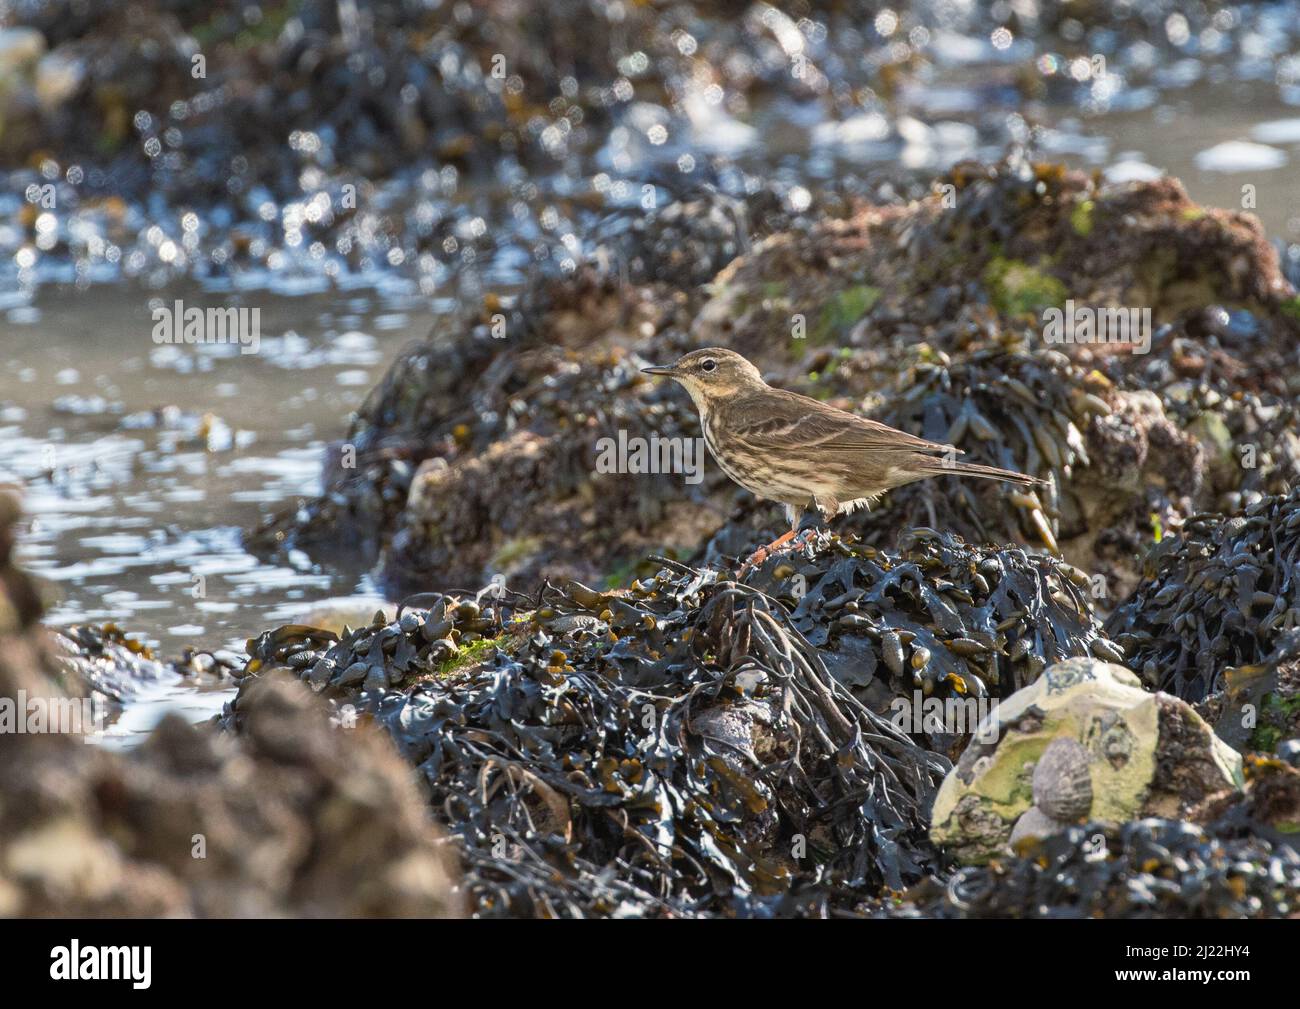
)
(1146, 755)
(281, 822)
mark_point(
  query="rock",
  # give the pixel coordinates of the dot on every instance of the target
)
(59, 75)
(103, 660)
(293, 818)
(1034, 825)
(344, 611)
(20, 48)
(1084, 742)
(286, 821)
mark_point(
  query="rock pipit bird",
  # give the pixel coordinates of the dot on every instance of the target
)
(784, 447)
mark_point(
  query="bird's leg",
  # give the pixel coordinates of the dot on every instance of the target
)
(795, 539)
(763, 553)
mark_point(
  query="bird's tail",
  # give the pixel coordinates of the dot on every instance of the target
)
(940, 467)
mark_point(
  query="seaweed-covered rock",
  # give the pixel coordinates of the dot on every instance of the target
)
(475, 456)
(1015, 236)
(937, 622)
(1083, 742)
(1219, 594)
(684, 731)
(705, 715)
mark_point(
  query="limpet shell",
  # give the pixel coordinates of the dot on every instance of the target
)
(1062, 783)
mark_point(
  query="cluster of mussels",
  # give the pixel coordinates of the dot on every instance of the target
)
(693, 744)
(1144, 869)
(1218, 595)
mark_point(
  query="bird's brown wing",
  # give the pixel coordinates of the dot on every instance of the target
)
(780, 421)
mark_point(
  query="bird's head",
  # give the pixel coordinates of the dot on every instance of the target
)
(711, 373)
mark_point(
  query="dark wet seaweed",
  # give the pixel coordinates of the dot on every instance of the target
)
(1143, 869)
(1217, 595)
(694, 745)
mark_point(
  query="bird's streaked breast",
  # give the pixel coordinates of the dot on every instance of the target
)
(753, 469)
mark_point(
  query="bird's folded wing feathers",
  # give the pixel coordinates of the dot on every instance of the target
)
(787, 425)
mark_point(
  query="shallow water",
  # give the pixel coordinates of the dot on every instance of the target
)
(143, 464)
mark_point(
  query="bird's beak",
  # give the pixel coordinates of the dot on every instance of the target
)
(658, 369)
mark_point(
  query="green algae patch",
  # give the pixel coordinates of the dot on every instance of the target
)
(1081, 217)
(471, 654)
(1016, 288)
(843, 310)
(1275, 725)
(515, 551)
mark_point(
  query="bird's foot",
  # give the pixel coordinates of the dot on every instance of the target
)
(783, 543)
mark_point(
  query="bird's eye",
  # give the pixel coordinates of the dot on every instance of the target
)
(709, 365)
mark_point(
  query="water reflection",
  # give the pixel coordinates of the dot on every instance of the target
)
(144, 464)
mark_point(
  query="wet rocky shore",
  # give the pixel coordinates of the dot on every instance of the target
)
(606, 720)
(970, 700)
